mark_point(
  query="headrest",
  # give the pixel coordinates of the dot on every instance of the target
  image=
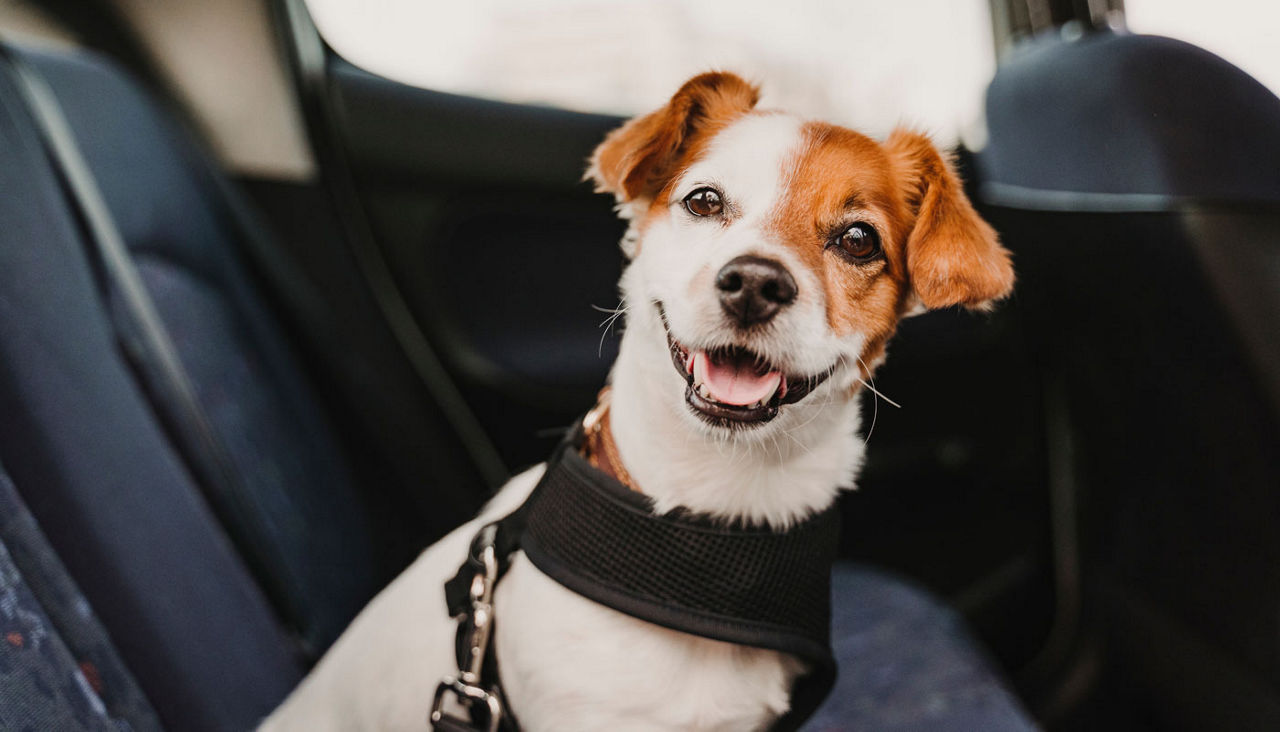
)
(1121, 121)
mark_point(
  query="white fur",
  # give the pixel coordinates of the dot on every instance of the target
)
(568, 663)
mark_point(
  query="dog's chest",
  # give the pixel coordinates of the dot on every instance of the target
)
(569, 663)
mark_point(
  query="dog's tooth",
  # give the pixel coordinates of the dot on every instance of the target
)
(780, 386)
(703, 391)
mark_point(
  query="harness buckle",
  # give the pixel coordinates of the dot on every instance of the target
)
(478, 620)
(469, 695)
(475, 627)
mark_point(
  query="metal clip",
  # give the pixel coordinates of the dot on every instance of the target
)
(591, 422)
(468, 695)
(477, 627)
(479, 621)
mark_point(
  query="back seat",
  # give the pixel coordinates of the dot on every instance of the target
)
(212, 643)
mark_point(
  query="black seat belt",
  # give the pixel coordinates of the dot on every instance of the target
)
(142, 335)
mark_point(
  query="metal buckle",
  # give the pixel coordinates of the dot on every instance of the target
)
(467, 695)
(479, 620)
(591, 422)
(477, 624)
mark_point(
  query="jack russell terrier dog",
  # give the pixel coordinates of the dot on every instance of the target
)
(771, 258)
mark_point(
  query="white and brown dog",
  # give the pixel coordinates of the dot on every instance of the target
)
(771, 260)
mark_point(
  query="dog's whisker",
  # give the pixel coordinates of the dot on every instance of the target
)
(875, 412)
(778, 446)
(817, 413)
(799, 444)
(608, 322)
(871, 385)
(789, 436)
(875, 402)
(873, 390)
(722, 442)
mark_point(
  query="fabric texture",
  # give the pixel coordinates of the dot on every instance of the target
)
(41, 684)
(58, 668)
(907, 662)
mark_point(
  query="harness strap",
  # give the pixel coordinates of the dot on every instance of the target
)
(750, 586)
(469, 597)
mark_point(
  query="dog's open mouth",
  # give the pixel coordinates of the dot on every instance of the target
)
(734, 386)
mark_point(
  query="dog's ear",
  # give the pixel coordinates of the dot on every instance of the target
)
(953, 256)
(637, 159)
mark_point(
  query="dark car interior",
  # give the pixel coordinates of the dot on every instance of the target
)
(234, 405)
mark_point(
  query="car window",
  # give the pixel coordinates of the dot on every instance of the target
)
(866, 63)
(1244, 32)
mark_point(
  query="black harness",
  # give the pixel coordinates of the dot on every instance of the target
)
(751, 586)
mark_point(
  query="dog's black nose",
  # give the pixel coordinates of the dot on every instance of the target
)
(754, 289)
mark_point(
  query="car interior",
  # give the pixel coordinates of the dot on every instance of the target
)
(242, 387)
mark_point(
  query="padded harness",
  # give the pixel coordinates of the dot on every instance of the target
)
(747, 585)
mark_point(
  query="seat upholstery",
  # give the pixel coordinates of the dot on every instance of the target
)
(102, 479)
(907, 662)
(1133, 116)
(58, 668)
(291, 470)
(41, 683)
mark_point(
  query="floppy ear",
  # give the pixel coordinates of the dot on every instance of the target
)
(637, 159)
(953, 256)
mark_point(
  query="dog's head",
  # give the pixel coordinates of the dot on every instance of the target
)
(776, 255)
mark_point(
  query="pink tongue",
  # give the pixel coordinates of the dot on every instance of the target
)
(730, 384)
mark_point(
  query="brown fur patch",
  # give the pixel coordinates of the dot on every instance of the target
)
(837, 178)
(638, 159)
(953, 255)
(935, 245)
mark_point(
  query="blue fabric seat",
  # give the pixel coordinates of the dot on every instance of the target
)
(291, 471)
(100, 474)
(58, 668)
(188, 609)
(907, 662)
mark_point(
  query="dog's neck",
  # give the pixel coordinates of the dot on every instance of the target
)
(598, 445)
(667, 455)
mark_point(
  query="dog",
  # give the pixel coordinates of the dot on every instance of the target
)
(770, 260)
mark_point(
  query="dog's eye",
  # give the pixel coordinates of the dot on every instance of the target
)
(860, 242)
(704, 202)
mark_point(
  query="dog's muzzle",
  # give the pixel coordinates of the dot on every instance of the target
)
(733, 386)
